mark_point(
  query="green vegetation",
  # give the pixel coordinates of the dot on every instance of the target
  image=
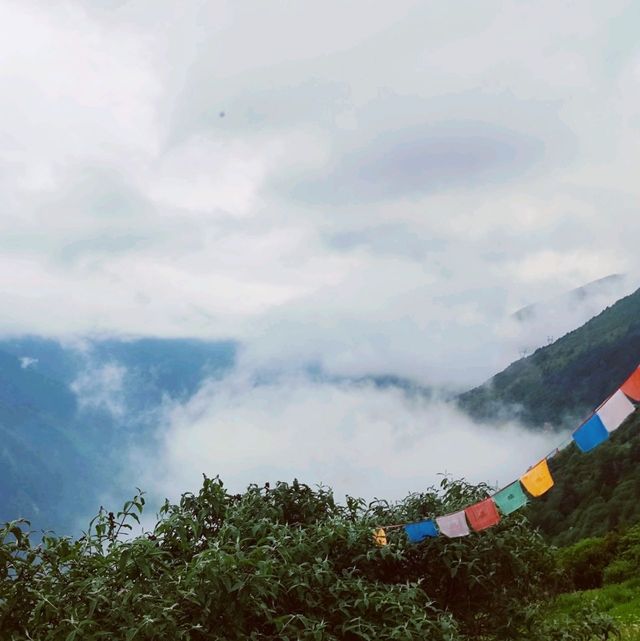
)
(594, 492)
(285, 563)
(561, 383)
(558, 386)
(602, 574)
(598, 561)
(289, 562)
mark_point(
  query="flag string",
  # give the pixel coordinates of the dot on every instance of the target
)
(537, 483)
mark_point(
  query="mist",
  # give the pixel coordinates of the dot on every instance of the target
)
(359, 438)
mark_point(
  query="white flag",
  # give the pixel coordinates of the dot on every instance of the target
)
(614, 412)
(453, 524)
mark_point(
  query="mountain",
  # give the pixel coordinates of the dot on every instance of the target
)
(68, 412)
(594, 493)
(557, 387)
(589, 295)
(558, 384)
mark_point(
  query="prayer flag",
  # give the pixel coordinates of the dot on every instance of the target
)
(631, 387)
(538, 479)
(453, 524)
(511, 498)
(380, 537)
(614, 412)
(419, 531)
(590, 434)
(483, 515)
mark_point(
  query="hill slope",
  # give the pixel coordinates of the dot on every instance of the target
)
(66, 412)
(558, 386)
(594, 493)
(560, 383)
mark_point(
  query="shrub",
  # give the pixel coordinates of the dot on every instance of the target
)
(584, 562)
(285, 563)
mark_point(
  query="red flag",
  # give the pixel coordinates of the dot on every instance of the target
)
(631, 387)
(483, 515)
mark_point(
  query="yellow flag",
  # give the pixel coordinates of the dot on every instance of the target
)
(538, 479)
(380, 537)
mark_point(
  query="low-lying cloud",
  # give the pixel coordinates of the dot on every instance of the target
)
(358, 438)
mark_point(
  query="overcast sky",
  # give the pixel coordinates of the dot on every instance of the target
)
(370, 186)
(373, 185)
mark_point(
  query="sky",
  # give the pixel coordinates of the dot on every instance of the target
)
(373, 187)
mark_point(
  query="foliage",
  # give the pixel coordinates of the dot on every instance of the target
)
(620, 601)
(597, 561)
(286, 562)
(585, 623)
(584, 562)
(626, 565)
(595, 492)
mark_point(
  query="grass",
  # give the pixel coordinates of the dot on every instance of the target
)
(621, 601)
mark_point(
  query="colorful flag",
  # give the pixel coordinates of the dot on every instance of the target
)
(453, 525)
(614, 412)
(417, 532)
(590, 434)
(380, 537)
(631, 387)
(483, 515)
(538, 479)
(511, 498)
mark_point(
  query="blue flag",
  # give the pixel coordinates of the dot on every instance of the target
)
(590, 434)
(419, 531)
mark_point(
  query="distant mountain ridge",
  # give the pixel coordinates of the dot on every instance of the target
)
(602, 286)
(62, 440)
(69, 413)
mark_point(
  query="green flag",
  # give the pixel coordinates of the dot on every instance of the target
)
(510, 499)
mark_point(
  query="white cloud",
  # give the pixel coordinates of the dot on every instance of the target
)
(389, 180)
(102, 387)
(568, 267)
(357, 438)
(27, 361)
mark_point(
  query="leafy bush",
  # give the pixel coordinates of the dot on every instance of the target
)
(626, 565)
(585, 561)
(286, 562)
(588, 623)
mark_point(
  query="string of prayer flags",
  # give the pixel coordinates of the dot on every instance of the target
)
(483, 515)
(511, 498)
(380, 537)
(453, 525)
(538, 479)
(631, 387)
(590, 434)
(614, 412)
(417, 532)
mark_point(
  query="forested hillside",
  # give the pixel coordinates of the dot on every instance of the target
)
(67, 411)
(594, 492)
(558, 386)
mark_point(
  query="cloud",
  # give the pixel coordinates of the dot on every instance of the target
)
(28, 361)
(358, 438)
(102, 388)
(389, 182)
(408, 163)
